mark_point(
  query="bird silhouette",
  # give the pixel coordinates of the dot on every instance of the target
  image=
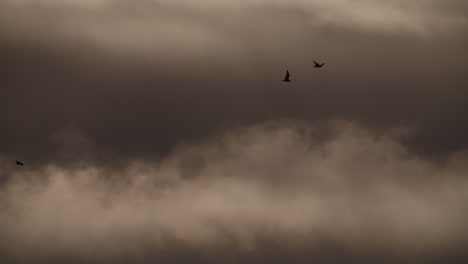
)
(19, 163)
(318, 65)
(286, 78)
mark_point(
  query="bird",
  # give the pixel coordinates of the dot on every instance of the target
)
(318, 65)
(19, 163)
(286, 78)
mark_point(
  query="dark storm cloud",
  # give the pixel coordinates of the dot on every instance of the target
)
(103, 101)
(279, 192)
(141, 76)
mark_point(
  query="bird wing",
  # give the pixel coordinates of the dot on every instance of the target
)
(316, 63)
(287, 75)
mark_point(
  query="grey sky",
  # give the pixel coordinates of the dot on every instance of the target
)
(173, 70)
(179, 107)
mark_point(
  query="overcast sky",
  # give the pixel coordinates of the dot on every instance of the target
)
(189, 95)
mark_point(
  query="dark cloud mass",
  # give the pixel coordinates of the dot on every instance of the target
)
(160, 131)
(277, 192)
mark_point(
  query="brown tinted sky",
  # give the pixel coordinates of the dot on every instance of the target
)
(141, 76)
(92, 87)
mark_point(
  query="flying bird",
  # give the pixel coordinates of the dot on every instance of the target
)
(19, 163)
(318, 65)
(286, 78)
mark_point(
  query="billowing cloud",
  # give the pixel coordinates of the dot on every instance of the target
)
(276, 192)
(142, 128)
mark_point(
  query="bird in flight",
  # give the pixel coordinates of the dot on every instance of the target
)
(19, 163)
(286, 78)
(318, 65)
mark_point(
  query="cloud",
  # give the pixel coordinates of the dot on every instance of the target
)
(146, 24)
(295, 189)
(123, 72)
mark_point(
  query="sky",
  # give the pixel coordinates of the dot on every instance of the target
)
(160, 131)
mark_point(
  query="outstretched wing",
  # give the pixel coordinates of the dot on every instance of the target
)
(287, 75)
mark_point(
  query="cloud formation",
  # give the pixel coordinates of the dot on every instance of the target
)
(147, 26)
(142, 127)
(275, 192)
(142, 76)
(420, 16)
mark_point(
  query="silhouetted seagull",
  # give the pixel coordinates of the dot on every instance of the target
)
(19, 163)
(286, 78)
(318, 65)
